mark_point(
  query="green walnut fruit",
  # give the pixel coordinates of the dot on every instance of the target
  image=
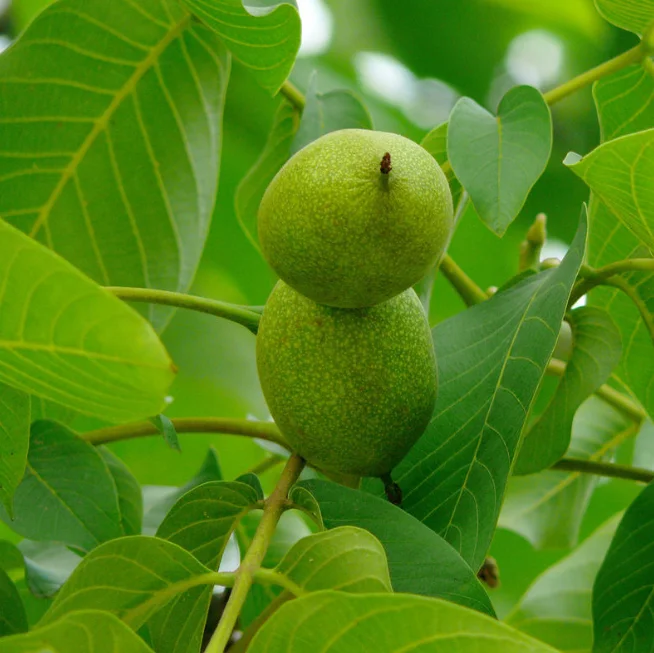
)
(351, 389)
(356, 217)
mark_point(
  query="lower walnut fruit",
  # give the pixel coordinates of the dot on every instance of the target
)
(351, 389)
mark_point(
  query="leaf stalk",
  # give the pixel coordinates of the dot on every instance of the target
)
(239, 314)
(251, 564)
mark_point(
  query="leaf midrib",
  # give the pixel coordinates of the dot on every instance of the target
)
(101, 123)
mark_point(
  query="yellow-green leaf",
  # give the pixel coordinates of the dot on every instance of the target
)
(620, 173)
(64, 338)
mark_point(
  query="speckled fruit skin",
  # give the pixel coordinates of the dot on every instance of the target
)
(351, 390)
(341, 232)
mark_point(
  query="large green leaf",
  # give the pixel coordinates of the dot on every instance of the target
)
(547, 508)
(624, 104)
(12, 612)
(596, 351)
(84, 631)
(66, 339)
(499, 158)
(67, 494)
(274, 156)
(633, 15)
(619, 172)
(386, 623)
(130, 498)
(201, 522)
(265, 36)
(557, 606)
(345, 558)
(623, 595)
(111, 133)
(420, 561)
(130, 577)
(328, 112)
(14, 440)
(491, 359)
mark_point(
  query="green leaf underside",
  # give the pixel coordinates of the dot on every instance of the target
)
(85, 631)
(499, 159)
(435, 142)
(47, 566)
(420, 562)
(632, 15)
(14, 440)
(130, 497)
(491, 359)
(66, 339)
(328, 112)
(620, 173)
(201, 522)
(623, 595)
(72, 486)
(265, 39)
(275, 154)
(547, 508)
(596, 351)
(129, 577)
(557, 606)
(12, 613)
(110, 138)
(625, 103)
(333, 622)
(347, 558)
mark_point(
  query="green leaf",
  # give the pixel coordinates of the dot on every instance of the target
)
(73, 488)
(14, 441)
(130, 577)
(12, 613)
(596, 351)
(167, 429)
(557, 606)
(265, 37)
(624, 101)
(619, 172)
(632, 15)
(623, 595)
(345, 558)
(275, 154)
(491, 359)
(84, 631)
(499, 159)
(111, 139)
(201, 522)
(624, 104)
(392, 623)
(252, 480)
(66, 339)
(547, 508)
(130, 497)
(419, 560)
(435, 142)
(328, 112)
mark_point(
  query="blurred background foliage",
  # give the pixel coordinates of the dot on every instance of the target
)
(409, 61)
